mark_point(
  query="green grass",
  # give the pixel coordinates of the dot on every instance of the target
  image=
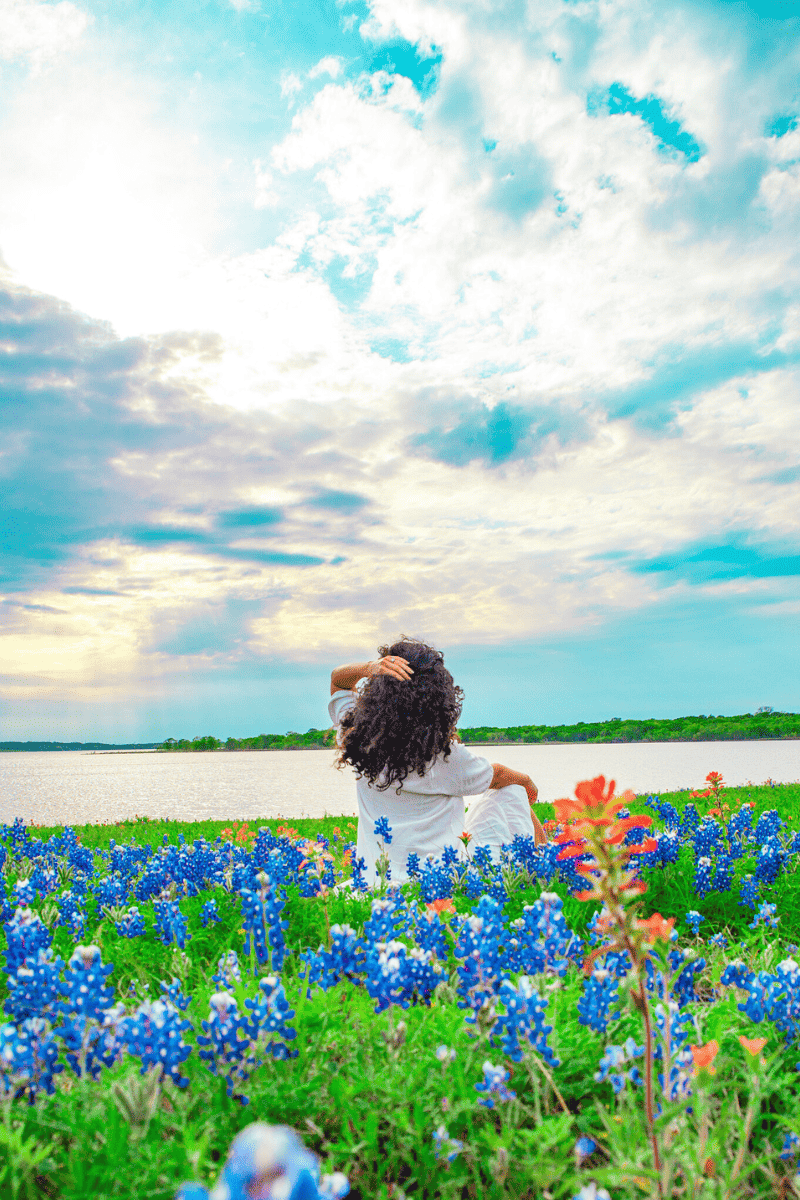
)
(366, 1093)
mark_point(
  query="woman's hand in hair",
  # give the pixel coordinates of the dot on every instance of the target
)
(346, 677)
(392, 665)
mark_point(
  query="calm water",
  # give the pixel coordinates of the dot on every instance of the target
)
(62, 787)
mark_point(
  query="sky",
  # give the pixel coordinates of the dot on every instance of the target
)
(324, 322)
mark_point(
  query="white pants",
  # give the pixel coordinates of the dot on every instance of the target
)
(497, 816)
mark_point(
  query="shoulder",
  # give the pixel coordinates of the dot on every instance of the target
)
(341, 702)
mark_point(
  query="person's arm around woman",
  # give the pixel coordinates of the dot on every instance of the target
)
(503, 776)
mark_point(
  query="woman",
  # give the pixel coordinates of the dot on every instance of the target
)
(396, 721)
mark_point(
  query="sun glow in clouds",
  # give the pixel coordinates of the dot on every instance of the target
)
(414, 317)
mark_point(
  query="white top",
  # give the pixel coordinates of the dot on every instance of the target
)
(427, 815)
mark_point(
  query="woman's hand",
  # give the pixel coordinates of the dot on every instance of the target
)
(393, 666)
(345, 678)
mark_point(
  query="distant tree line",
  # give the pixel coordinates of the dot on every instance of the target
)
(262, 741)
(763, 724)
(12, 746)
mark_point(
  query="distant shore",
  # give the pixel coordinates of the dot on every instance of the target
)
(760, 726)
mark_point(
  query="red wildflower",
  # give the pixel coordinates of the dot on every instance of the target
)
(656, 927)
(704, 1057)
(753, 1046)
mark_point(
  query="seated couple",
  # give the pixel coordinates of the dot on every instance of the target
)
(396, 720)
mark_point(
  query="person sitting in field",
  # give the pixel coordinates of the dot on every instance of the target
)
(396, 723)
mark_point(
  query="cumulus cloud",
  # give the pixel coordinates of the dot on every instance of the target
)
(513, 356)
(38, 32)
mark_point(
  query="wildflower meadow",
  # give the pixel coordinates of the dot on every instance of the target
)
(223, 1011)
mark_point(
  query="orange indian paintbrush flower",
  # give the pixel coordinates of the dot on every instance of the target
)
(656, 927)
(704, 1057)
(753, 1046)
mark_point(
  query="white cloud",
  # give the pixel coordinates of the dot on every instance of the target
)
(39, 32)
(572, 269)
(329, 65)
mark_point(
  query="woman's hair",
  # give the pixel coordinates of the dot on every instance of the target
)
(399, 726)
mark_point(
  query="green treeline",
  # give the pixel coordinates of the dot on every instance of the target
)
(764, 724)
(262, 741)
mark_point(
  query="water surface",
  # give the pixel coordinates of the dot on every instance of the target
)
(79, 787)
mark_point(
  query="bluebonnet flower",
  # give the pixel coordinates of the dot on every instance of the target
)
(478, 947)
(542, 940)
(445, 1054)
(228, 970)
(600, 993)
(344, 960)
(154, 1034)
(719, 940)
(111, 891)
(429, 932)
(615, 1057)
(28, 1058)
(33, 989)
(262, 922)
(791, 1146)
(768, 826)
(412, 865)
(765, 916)
(269, 1017)
(383, 830)
(131, 924)
(270, 1161)
(749, 891)
(723, 875)
(702, 875)
(359, 867)
(25, 934)
(690, 821)
(584, 1147)
(482, 857)
(523, 1021)
(694, 920)
(668, 813)
(173, 992)
(209, 914)
(494, 1084)
(436, 880)
(84, 989)
(668, 847)
(446, 1147)
(771, 860)
(170, 923)
(683, 982)
(24, 893)
(590, 1191)
(225, 1044)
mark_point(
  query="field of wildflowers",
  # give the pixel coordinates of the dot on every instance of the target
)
(613, 1014)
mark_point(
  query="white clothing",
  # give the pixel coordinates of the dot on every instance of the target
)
(428, 812)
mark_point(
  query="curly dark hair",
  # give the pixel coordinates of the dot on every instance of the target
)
(399, 727)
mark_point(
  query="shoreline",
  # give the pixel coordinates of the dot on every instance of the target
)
(478, 745)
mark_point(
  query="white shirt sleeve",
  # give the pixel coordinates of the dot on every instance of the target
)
(341, 702)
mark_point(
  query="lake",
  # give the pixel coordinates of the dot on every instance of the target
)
(77, 787)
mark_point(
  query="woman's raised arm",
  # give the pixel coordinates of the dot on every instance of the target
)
(348, 676)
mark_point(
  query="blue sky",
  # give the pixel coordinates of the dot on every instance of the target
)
(323, 322)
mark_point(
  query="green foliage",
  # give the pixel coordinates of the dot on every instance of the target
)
(748, 726)
(680, 729)
(367, 1091)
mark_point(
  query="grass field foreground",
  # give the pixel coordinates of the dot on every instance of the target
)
(447, 1038)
